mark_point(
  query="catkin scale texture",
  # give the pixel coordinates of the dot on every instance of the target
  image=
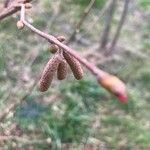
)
(74, 65)
(62, 70)
(48, 73)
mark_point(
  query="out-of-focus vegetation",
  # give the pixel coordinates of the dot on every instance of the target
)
(75, 114)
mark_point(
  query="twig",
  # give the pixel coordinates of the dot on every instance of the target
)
(56, 11)
(107, 28)
(120, 25)
(23, 140)
(11, 9)
(94, 22)
(6, 3)
(78, 26)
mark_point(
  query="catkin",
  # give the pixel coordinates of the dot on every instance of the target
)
(74, 65)
(48, 73)
(62, 70)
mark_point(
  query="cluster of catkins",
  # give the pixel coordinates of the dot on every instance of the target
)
(59, 64)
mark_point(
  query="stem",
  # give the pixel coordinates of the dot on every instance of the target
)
(78, 26)
(107, 28)
(94, 22)
(10, 9)
(120, 25)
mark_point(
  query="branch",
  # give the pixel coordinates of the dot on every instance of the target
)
(94, 22)
(6, 3)
(107, 28)
(120, 25)
(78, 26)
(24, 140)
(91, 67)
(11, 9)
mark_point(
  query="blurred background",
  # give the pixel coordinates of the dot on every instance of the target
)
(76, 115)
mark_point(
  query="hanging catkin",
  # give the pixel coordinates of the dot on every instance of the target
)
(48, 73)
(74, 65)
(62, 70)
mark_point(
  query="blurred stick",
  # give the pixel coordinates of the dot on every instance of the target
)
(23, 140)
(56, 11)
(94, 22)
(120, 25)
(107, 28)
(5, 12)
(6, 3)
(78, 26)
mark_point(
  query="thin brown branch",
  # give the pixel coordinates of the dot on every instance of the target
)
(24, 140)
(107, 28)
(78, 26)
(6, 3)
(120, 25)
(11, 9)
(99, 16)
(56, 11)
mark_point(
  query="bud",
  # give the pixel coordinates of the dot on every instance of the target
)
(115, 86)
(61, 38)
(20, 25)
(48, 73)
(62, 70)
(53, 48)
(74, 65)
(28, 5)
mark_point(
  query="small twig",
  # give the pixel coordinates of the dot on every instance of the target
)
(107, 28)
(56, 11)
(6, 3)
(120, 25)
(22, 16)
(78, 26)
(94, 22)
(23, 140)
(11, 9)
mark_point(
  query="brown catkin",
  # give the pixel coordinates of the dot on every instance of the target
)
(62, 70)
(48, 73)
(74, 65)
